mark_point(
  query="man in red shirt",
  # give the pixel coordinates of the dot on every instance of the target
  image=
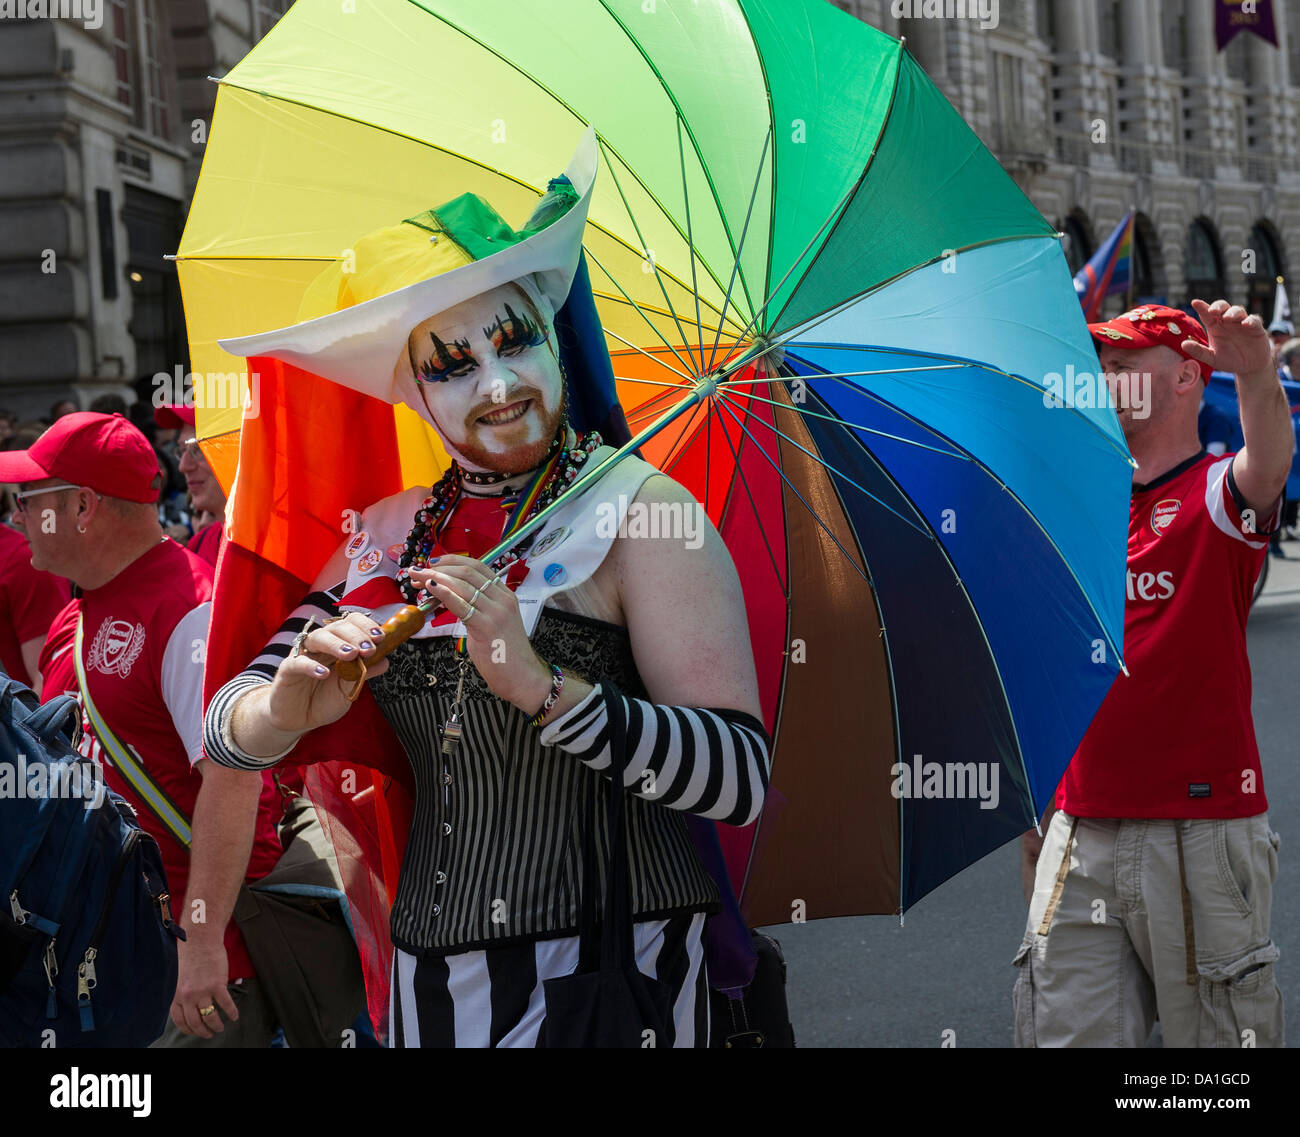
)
(29, 600)
(1152, 888)
(206, 495)
(88, 504)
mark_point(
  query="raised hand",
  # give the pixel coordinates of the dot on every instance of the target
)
(1238, 342)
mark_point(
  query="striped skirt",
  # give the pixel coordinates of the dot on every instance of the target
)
(494, 997)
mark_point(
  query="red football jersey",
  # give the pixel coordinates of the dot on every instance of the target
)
(143, 640)
(206, 543)
(29, 600)
(1175, 738)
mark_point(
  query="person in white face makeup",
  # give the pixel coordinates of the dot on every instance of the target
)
(507, 701)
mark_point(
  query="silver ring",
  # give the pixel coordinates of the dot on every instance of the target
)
(465, 618)
(473, 598)
(301, 638)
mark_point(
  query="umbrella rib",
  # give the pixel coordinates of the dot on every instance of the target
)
(735, 268)
(280, 98)
(648, 252)
(781, 283)
(835, 309)
(961, 363)
(833, 469)
(573, 110)
(930, 534)
(1014, 497)
(846, 374)
(675, 458)
(610, 298)
(853, 425)
(690, 242)
(650, 322)
(695, 146)
(649, 355)
(795, 489)
(758, 520)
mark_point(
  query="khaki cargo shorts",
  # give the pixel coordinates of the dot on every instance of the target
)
(1131, 919)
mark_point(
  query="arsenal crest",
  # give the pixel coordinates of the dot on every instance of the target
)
(1163, 512)
(117, 645)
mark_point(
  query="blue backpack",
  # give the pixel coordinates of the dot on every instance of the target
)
(87, 942)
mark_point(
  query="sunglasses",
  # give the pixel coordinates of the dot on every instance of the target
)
(20, 499)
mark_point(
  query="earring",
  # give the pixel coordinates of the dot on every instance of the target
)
(81, 528)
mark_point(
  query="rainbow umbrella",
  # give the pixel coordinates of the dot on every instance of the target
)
(878, 365)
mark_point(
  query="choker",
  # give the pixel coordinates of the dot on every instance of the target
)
(422, 538)
(495, 477)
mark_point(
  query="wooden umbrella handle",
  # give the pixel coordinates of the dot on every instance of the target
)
(398, 628)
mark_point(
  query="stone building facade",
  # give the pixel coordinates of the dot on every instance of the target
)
(1093, 106)
(103, 116)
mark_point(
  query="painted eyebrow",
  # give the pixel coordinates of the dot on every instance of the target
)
(521, 327)
(445, 360)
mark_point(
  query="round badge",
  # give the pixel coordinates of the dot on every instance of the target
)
(395, 552)
(357, 545)
(549, 540)
(370, 561)
(554, 574)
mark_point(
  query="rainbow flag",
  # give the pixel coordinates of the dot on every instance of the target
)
(1109, 271)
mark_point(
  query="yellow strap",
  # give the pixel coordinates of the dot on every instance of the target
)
(126, 762)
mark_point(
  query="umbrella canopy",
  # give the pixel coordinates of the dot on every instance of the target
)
(931, 544)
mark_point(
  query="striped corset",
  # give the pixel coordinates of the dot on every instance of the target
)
(495, 851)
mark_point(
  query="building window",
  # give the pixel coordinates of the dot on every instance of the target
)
(1108, 30)
(1045, 23)
(1173, 35)
(1204, 264)
(1261, 284)
(1149, 285)
(151, 108)
(266, 14)
(123, 55)
(1076, 242)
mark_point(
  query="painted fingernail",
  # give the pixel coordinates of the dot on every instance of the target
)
(322, 670)
(366, 645)
(434, 560)
(376, 631)
(347, 647)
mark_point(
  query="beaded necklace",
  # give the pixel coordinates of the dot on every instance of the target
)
(552, 479)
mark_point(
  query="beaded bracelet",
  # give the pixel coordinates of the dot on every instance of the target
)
(557, 684)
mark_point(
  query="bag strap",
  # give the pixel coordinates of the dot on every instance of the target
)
(127, 761)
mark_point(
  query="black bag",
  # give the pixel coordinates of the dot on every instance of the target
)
(87, 942)
(761, 1016)
(607, 1002)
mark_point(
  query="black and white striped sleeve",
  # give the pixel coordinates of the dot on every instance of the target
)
(704, 760)
(217, 743)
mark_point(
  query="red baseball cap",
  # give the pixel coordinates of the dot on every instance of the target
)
(170, 416)
(104, 452)
(1154, 325)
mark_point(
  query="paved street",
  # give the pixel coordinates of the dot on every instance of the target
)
(868, 982)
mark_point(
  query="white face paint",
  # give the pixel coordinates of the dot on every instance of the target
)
(489, 374)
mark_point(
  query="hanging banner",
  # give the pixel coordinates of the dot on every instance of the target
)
(1233, 16)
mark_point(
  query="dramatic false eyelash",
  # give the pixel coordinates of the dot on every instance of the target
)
(524, 332)
(449, 365)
